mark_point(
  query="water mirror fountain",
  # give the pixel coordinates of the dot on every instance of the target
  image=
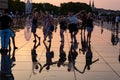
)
(28, 19)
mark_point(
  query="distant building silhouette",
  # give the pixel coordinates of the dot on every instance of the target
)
(91, 4)
(101, 11)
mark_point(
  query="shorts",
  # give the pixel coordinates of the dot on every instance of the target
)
(72, 27)
(89, 29)
(34, 28)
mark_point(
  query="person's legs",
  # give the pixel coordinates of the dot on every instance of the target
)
(5, 36)
(75, 33)
(3, 39)
(62, 35)
(12, 35)
(46, 34)
(34, 28)
(71, 35)
(89, 34)
(50, 36)
(13, 41)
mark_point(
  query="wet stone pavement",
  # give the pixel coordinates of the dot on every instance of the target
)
(103, 58)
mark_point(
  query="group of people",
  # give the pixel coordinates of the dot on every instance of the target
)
(70, 22)
(6, 32)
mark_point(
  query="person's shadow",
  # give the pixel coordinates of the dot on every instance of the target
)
(62, 55)
(89, 57)
(36, 65)
(49, 57)
(7, 63)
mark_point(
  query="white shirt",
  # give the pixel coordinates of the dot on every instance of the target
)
(72, 19)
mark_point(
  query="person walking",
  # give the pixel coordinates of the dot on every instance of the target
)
(63, 26)
(6, 22)
(72, 25)
(48, 26)
(34, 24)
(90, 26)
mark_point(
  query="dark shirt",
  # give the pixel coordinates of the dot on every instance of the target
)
(63, 25)
(90, 22)
(34, 21)
(5, 22)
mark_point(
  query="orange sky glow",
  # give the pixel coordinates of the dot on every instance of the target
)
(106, 4)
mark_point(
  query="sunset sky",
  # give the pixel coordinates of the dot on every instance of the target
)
(106, 4)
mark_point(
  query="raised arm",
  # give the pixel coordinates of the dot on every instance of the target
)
(82, 11)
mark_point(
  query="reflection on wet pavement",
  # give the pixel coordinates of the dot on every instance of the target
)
(97, 60)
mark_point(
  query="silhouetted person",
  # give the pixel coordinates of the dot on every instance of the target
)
(12, 34)
(48, 26)
(83, 18)
(34, 24)
(72, 25)
(89, 57)
(113, 22)
(63, 26)
(101, 26)
(6, 22)
(114, 38)
(89, 26)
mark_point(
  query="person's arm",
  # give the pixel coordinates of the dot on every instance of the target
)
(79, 13)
